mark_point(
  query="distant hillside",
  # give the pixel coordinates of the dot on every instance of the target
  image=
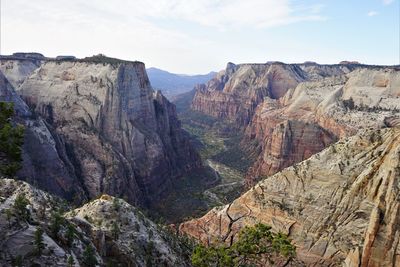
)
(174, 84)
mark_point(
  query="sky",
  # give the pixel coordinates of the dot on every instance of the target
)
(199, 36)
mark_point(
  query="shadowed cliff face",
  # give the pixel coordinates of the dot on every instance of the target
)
(115, 134)
(340, 206)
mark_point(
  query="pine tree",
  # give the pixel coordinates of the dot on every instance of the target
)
(56, 222)
(70, 234)
(8, 215)
(20, 204)
(89, 259)
(38, 241)
(11, 140)
(255, 246)
(70, 261)
(115, 231)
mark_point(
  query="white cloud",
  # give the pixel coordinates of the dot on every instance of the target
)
(226, 14)
(372, 13)
(162, 33)
(387, 2)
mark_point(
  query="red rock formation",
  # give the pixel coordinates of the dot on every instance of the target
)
(340, 207)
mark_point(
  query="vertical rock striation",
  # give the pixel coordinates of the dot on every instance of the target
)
(114, 132)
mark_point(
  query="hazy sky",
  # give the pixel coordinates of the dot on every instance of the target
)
(197, 36)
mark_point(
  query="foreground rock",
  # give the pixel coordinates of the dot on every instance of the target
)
(17, 242)
(137, 240)
(118, 232)
(340, 206)
(111, 131)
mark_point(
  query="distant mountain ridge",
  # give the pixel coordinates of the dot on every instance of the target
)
(172, 84)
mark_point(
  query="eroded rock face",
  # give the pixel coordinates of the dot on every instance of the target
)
(315, 114)
(138, 241)
(45, 162)
(113, 133)
(18, 235)
(235, 92)
(117, 232)
(340, 206)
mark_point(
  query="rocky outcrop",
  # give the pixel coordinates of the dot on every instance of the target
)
(18, 235)
(235, 92)
(111, 131)
(117, 232)
(340, 206)
(314, 114)
(138, 241)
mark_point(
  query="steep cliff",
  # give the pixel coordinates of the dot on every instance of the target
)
(45, 162)
(235, 92)
(292, 111)
(315, 114)
(340, 206)
(113, 133)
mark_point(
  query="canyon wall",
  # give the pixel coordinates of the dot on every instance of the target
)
(111, 131)
(340, 207)
(292, 111)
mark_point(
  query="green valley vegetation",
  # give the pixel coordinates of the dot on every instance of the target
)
(219, 181)
(255, 246)
(11, 140)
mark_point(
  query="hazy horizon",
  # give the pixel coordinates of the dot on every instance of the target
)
(196, 37)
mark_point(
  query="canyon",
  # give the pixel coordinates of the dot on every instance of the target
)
(95, 126)
(311, 150)
(289, 112)
(340, 206)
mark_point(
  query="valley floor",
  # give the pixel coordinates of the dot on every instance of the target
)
(219, 181)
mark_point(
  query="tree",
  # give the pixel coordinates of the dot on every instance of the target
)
(89, 259)
(116, 204)
(255, 246)
(70, 261)
(17, 261)
(38, 241)
(115, 231)
(56, 222)
(149, 253)
(11, 140)
(8, 215)
(20, 209)
(70, 234)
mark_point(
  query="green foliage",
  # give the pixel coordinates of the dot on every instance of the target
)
(20, 209)
(212, 256)
(116, 204)
(149, 254)
(57, 220)
(11, 140)
(89, 259)
(70, 235)
(9, 215)
(115, 231)
(38, 241)
(70, 261)
(255, 246)
(17, 261)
